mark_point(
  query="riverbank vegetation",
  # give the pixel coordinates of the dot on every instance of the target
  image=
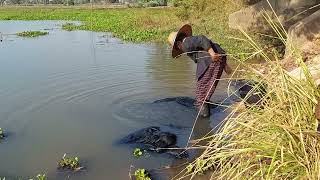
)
(275, 139)
(142, 24)
(32, 34)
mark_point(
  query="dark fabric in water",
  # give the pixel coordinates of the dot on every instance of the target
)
(153, 139)
(152, 136)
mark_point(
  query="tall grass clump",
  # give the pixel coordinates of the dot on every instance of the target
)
(275, 139)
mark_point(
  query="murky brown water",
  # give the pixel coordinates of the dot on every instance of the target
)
(78, 93)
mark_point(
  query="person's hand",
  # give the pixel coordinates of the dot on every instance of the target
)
(214, 56)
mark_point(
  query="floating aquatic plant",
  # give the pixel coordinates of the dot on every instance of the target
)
(70, 26)
(40, 177)
(142, 174)
(137, 152)
(71, 163)
(147, 24)
(32, 33)
(1, 133)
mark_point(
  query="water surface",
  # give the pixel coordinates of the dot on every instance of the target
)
(78, 93)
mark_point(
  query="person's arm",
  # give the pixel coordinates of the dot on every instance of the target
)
(204, 43)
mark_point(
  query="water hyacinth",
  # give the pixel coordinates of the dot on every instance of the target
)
(1, 133)
(142, 174)
(71, 163)
(137, 152)
(32, 34)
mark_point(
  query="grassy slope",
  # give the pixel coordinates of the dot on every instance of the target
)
(140, 24)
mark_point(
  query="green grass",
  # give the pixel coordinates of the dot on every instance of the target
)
(32, 34)
(138, 24)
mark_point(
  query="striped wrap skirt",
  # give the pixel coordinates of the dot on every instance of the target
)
(208, 82)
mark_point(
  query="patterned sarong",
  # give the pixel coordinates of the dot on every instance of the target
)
(209, 79)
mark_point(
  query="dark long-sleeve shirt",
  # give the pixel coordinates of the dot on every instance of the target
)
(197, 48)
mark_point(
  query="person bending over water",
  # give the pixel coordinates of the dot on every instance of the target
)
(210, 59)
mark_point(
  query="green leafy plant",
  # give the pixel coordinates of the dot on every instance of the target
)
(142, 174)
(71, 163)
(1, 133)
(70, 26)
(41, 177)
(137, 152)
(32, 33)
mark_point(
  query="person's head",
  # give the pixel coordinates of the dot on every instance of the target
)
(179, 40)
(176, 38)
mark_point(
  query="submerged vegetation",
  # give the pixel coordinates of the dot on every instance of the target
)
(71, 163)
(32, 34)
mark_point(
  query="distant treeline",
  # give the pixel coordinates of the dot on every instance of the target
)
(77, 2)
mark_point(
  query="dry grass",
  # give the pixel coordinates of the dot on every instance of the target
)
(278, 140)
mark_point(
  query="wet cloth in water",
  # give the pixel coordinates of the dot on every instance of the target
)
(209, 79)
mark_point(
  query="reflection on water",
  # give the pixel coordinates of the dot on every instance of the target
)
(70, 92)
(176, 75)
